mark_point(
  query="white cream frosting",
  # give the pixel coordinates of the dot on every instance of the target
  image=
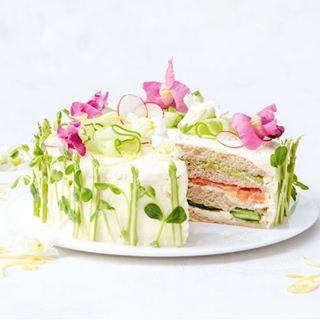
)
(153, 171)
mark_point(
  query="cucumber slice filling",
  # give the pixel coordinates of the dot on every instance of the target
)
(245, 214)
(202, 206)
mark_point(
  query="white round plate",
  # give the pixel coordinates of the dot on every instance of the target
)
(204, 238)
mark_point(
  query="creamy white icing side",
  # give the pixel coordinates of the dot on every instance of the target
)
(153, 171)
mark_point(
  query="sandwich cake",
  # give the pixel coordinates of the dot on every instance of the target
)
(139, 173)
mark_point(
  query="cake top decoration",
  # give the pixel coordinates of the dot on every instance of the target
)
(169, 93)
(261, 127)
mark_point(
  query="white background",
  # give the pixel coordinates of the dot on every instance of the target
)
(245, 55)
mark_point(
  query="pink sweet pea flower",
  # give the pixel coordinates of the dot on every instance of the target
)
(169, 93)
(93, 108)
(262, 126)
(71, 136)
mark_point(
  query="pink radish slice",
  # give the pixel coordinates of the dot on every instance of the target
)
(229, 139)
(154, 110)
(131, 103)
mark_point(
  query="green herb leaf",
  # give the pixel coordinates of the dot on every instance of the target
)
(86, 195)
(78, 178)
(55, 176)
(38, 151)
(69, 169)
(25, 147)
(178, 215)
(153, 211)
(101, 186)
(65, 205)
(141, 192)
(26, 180)
(94, 216)
(104, 205)
(279, 156)
(104, 186)
(114, 189)
(68, 154)
(73, 215)
(34, 162)
(48, 159)
(34, 191)
(199, 95)
(66, 111)
(15, 183)
(294, 193)
(76, 194)
(299, 184)
(60, 158)
(151, 193)
(14, 153)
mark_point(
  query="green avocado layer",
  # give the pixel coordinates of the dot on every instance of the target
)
(229, 170)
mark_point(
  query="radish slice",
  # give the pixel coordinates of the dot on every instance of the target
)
(131, 103)
(267, 139)
(229, 139)
(154, 110)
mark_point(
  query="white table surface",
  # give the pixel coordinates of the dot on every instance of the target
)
(246, 55)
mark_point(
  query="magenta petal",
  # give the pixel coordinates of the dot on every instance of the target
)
(178, 91)
(77, 144)
(170, 77)
(72, 138)
(152, 89)
(270, 128)
(267, 114)
(246, 131)
(79, 108)
(99, 100)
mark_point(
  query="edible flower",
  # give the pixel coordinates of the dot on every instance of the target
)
(145, 126)
(160, 139)
(169, 93)
(261, 127)
(93, 108)
(72, 138)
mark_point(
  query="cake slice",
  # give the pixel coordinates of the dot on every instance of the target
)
(229, 185)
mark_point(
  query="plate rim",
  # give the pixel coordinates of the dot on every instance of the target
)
(105, 248)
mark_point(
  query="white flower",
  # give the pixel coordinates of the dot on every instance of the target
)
(34, 246)
(162, 144)
(143, 125)
(160, 139)
(53, 141)
(160, 128)
(197, 110)
(225, 119)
